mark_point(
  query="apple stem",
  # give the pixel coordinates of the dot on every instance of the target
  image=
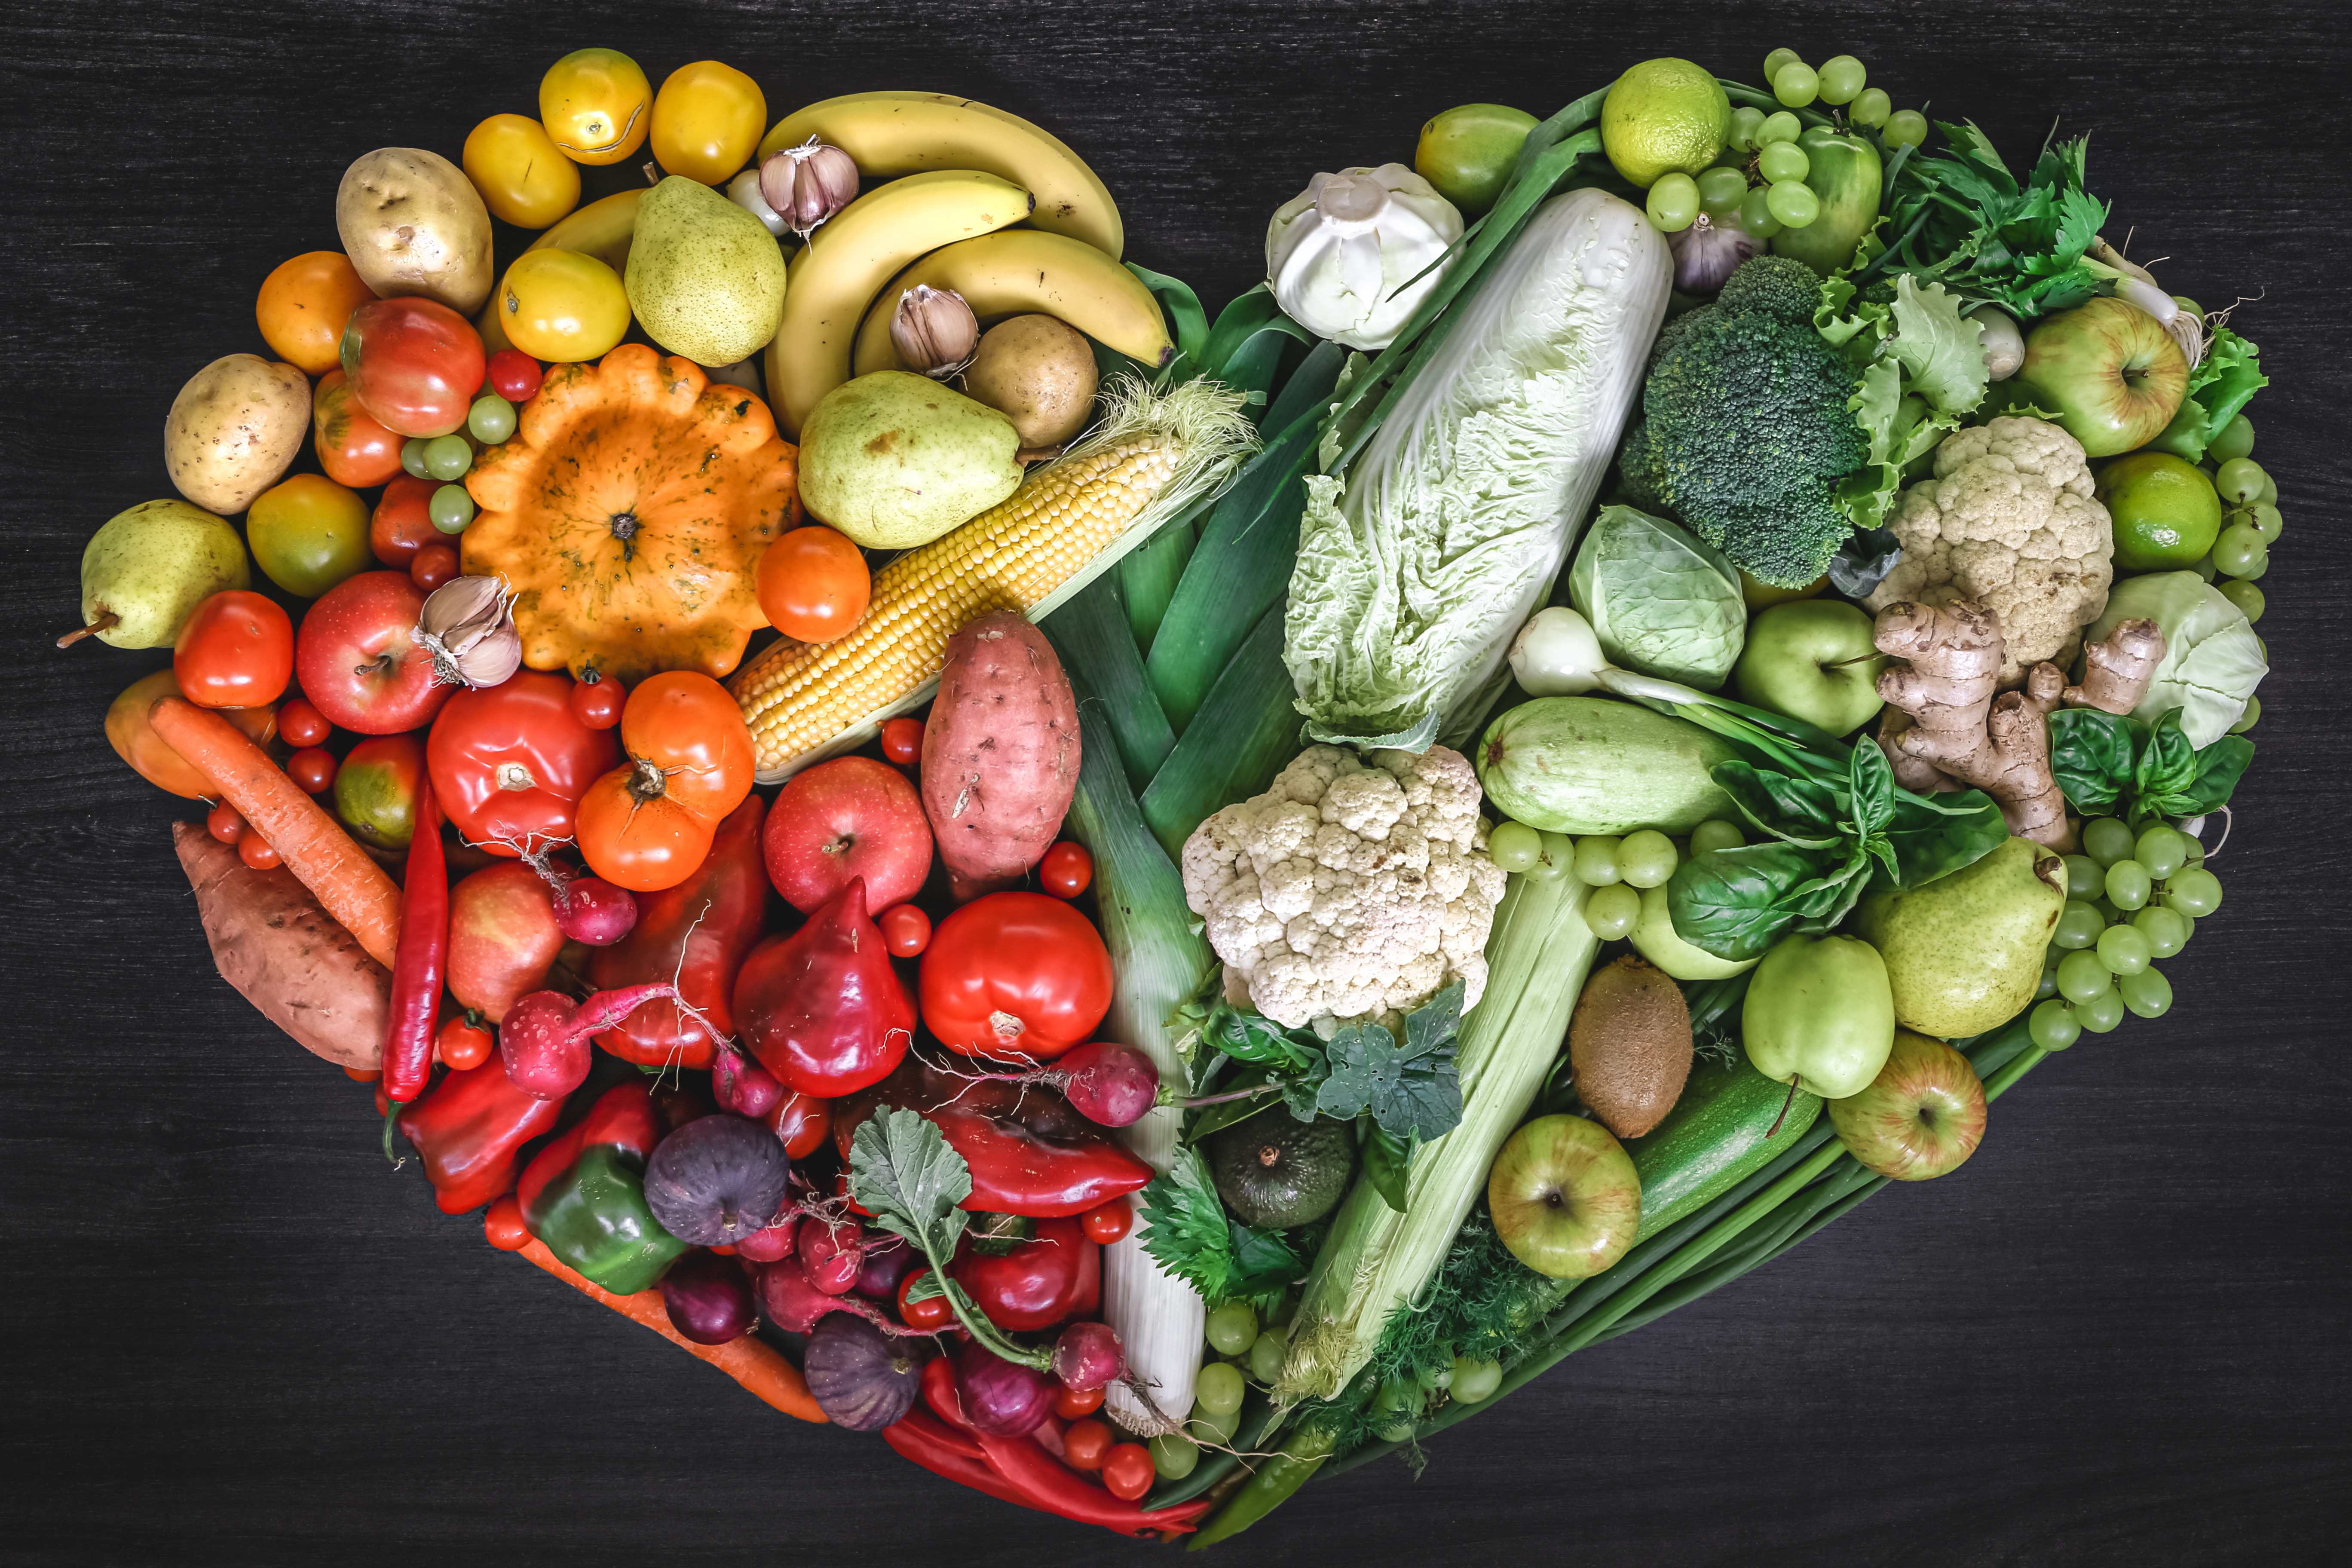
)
(1794, 1080)
(1857, 659)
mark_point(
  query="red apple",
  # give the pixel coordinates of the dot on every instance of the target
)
(503, 938)
(356, 661)
(841, 820)
(1565, 1197)
(1921, 1117)
(2111, 370)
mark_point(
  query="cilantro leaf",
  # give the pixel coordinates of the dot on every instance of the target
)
(1185, 1230)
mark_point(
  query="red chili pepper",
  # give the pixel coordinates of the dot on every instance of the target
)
(1052, 1486)
(917, 1435)
(418, 960)
(1029, 1152)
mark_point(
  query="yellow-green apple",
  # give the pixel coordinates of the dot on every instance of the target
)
(2111, 371)
(1811, 659)
(1565, 1198)
(1921, 1117)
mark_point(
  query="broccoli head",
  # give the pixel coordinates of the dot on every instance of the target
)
(1745, 430)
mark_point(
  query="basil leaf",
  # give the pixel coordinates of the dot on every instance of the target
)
(1729, 903)
(2219, 766)
(2168, 763)
(2091, 755)
(1870, 783)
(1387, 1161)
(1801, 811)
(1933, 836)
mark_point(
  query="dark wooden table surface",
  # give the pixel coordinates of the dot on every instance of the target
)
(231, 1335)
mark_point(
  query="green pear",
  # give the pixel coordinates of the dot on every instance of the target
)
(1964, 951)
(893, 460)
(706, 279)
(144, 572)
(1818, 1015)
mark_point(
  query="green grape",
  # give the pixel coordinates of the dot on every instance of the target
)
(1792, 205)
(2128, 884)
(1780, 126)
(2268, 522)
(1720, 191)
(2239, 480)
(1476, 1381)
(2125, 950)
(412, 458)
(1513, 846)
(2082, 976)
(1746, 125)
(2236, 440)
(2269, 491)
(1841, 78)
(2101, 1012)
(2194, 893)
(2255, 574)
(1779, 57)
(2107, 910)
(1174, 1456)
(1906, 127)
(2048, 984)
(2106, 840)
(450, 508)
(1210, 1429)
(2079, 925)
(2166, 930)
(1232, 1328)
(1715, 833)
(1265, 1353)
(2239, 550)
(1870, 107)
(2147, 994)
(491, 419)
(1783, 161)
(1645, 859)
(1558, 849)
(2203, 567)
(1796, 84)
(2250, 718)
(1756, 215)
(2053, 1027)
(2196, 849)
(2084, 876)
(2247, 597)
(1674, 203)
(1596, 861)
(1220, 1388)
(2161, 850)
(1611, 912)
(448, 458)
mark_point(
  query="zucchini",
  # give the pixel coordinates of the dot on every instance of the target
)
(1593, 764)
(1846, 175)
(1715, 1138)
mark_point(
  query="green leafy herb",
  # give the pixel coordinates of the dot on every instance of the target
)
(1961, 218)
(2121, 767)
(1388, 1158)
(1187, 1232)
(1410, 1090)
(2230, 374)
(1919, 368)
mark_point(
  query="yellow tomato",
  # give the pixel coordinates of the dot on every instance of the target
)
(563, 306)
(304, 306)
(309, 533)
(707, 122)
(595, 103)
(523, 178)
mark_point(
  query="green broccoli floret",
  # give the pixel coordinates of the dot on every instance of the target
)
(1745, 430)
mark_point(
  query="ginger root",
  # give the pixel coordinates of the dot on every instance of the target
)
(1952, 725)
(2117, 669)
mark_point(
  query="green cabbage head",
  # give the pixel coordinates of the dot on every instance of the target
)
(1661, 600)
(2212, 661)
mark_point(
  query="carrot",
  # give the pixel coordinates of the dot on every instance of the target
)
(760, 1367)
(351, 888)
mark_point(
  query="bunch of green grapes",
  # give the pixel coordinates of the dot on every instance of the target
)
(1616, 868)
(2251, 525)
(1760, 178)
(2131, 900)
(1237, 1346)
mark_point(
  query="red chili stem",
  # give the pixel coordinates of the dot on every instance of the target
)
(420, 957)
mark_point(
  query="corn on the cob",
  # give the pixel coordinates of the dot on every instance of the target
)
(1153, 453)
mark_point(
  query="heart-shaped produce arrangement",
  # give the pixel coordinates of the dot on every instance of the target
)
(1121, 1104)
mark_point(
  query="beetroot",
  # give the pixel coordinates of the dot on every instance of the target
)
(1088, 1356)
(860, 1378)
(544, 1039)
(999, 1398)
(771, 1244)
(831, 1254)
(889, 1261)
(591, 909)
(709, 1299)
(716, 1181)
(742, 1085)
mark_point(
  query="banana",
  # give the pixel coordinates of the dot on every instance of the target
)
(602, 229)
(1019, 271)
(836, 275)
(907, 133)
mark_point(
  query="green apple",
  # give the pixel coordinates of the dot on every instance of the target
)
(1565, 1198)
(2111, 371)
(1820, 1015)
(1811, 659)
(1921, 1117)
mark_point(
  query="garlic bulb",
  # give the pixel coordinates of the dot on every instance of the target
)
(1709, 251)
(808, 184)
(466, 627)
(934, 331)
(1350, 256)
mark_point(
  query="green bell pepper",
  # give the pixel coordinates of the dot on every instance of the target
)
(583, 1195)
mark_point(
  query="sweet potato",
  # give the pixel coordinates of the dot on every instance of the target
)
(1000, 753)
(273, 942)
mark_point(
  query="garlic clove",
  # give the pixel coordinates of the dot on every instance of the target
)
(743, 190)
(934, 331)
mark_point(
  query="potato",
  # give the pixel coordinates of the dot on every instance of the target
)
(234, 429)
(413, 224)
(1000, 753)
(1038, 371)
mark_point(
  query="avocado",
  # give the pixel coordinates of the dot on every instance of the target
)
(1275, 1172)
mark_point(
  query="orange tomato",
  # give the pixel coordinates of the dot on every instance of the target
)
(707, 120)
(304, 305)
(136, 742)
(648, 824)
(353, 447)
(595, 104)
(813, 584)
(520, 175)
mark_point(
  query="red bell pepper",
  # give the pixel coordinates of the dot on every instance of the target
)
(510, 762)
(468, 1130)
(1037, 1283)
(712, 919)
(1029, 1152)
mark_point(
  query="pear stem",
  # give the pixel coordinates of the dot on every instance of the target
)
(105, 618)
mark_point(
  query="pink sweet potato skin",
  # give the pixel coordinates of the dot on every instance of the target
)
(278, 948)
(1000, 753)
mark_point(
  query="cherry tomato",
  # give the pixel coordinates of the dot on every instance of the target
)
(563, 305)
(304, 305)
(462, 1045)
(907, 928)
(598, 701)
(1069, 1403)
(803, 1122)
(432, 566)
(1066, 871)
(302, 725)
(236, 651)
(1107, 1223)
(902, 741)
(522, 179)
(309, 533)
(707, 120)
(403, 524)
(353, 447)
(929, 1316)
(595, 104)
(224, 823)
(363, 1075)
(414, 365)
(312, 768)
(503, 1227)
(1127, 1472)
(256, 852)
(813, 584)
(1084, 1445)
(514, 375)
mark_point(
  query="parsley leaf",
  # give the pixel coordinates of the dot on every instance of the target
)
(1187, 1233)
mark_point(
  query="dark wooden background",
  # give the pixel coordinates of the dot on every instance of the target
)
(230, 1335)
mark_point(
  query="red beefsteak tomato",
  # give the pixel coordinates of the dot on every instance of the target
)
(414, 366)
(1015, 975)
(510, 762)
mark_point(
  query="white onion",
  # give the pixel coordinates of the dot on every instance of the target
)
(1556, 654)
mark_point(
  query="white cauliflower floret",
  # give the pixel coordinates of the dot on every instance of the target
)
(1348, 889)
(2009, 521)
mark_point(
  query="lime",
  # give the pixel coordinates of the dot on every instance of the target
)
(1467, 152)
(2165, 511)
(1661, 116)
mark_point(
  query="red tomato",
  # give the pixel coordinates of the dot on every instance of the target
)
(313, 769)
(503, 1227)
(646, 824)
(1069, 1403)
(256, 852)
(353, 449)
(1016, 972)
(1107, 1223)
(359, 665)
(1085, 1444)
(376, 790)
(462, 1045)
(1127, 1472)
(598, 701)
(1066, 871)
(401, 526)
(804, 1122)
(432, 566)
(235, 651)
(514, 374)
(929, 1316)
(224, 823)
(907, 928)
(509, 763)
(414, 365)
(902, 741)
(299, 724)
(813, 584)
(363, 1075)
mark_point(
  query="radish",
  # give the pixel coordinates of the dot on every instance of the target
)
(544, 1039)
(593, 911)
(772, 1245)
(833, 1255)
(1087, 1356)
(742, 1085)
(1105, 1082)
(789, 1302)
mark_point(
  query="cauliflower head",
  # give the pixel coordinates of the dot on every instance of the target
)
(2010, 523)
(1348, 889)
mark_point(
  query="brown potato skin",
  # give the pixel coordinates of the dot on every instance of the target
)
(1000, 753)
(1038, 371)
(234, 428)
(412, 223)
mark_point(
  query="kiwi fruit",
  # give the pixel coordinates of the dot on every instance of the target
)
(1630, 1045)
(1274, 1170)
(1038, 371)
